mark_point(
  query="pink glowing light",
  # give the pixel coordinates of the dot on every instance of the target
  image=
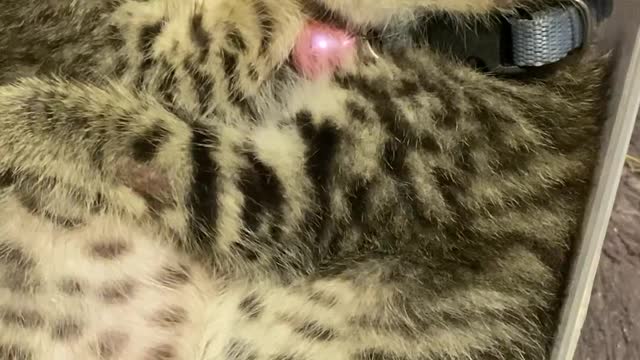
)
(322, 49)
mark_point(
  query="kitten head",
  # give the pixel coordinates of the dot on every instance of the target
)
(382, 13)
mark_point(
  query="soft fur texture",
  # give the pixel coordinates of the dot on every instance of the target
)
(171, 189)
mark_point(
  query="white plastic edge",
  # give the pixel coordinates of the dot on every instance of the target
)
(597, 218)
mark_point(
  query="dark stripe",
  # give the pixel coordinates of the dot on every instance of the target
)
(314, 331)
(148, 35)
(34, 206)
(14, 352)
(402, 138)
(230, 66)
(246, 250)
(263, 193)
(238, 350)
(389, 114)
(174, 276)
(27, 319)
(235, 39)
(167, 86)
(146, 147)
(161, 352)
(18, 270)
(203, 84)
(357, 201)
(322, 146)
(266, 25)
(200, 37)
(203, 197)
(15, 256)
(251, 306)
(286, 357)
(236, 96)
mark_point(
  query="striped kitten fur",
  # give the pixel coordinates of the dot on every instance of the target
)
(170, 189)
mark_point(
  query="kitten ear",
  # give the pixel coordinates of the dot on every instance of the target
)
(380, 13)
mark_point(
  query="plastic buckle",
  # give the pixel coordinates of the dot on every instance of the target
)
(588, 21)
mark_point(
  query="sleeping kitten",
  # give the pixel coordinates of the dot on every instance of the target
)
(170, 188)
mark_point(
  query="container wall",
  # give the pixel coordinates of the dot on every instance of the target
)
(620, 34)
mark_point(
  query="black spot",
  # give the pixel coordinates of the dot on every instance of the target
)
(7, 178)
(170, 317)
(376, 354)
(161, 352)
(314, 331)
(114, 37)
(146, 147)
(323, 299)
(203, 197)
(263, 192)
(29, 201)
(287, 357)
(174, 276)
(110, 344)
(251, 306)
(118, 292)
(408, 88)
(70, 287)
(238, 350)
(109, 249)
(21, 318)
(304, 120)
(246, 250)
(357, 200)
(357, 112)
(17, 275)
(267, 23)
(15, 352)
(235, 39)
(66, 329)
(200, 37)
(394, 156)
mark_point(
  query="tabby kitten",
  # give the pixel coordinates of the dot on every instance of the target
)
(171, 189)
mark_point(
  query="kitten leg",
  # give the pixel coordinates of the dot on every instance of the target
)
(68, 151)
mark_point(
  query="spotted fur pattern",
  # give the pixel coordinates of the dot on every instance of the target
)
(171, 189)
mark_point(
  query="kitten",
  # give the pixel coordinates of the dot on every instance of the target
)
(170, 188)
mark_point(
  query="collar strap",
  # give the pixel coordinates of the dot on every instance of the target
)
(524, 41)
